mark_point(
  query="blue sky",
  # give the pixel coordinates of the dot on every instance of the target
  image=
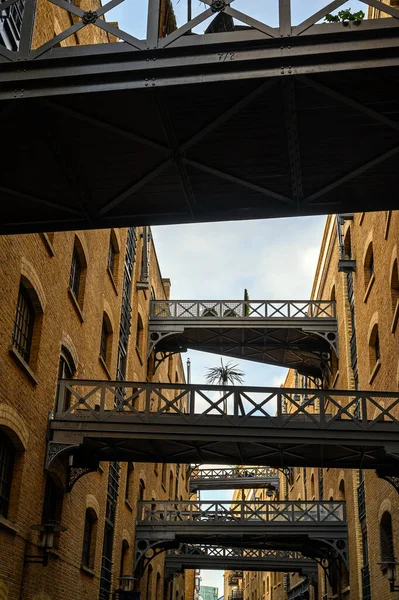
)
(273, 259)
(132, 14)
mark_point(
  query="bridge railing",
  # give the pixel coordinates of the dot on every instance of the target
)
(149, 27)
(238, 406)
(243, 309)
(224, 552)
(254, 511)
(235, 472)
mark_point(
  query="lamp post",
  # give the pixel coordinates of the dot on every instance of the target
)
(390, 566)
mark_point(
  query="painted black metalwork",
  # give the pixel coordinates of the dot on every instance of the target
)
(226, 424)
(234, 478)
(291, 77)
(317, 529)
(296, 334)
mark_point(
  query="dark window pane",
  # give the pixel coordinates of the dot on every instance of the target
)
(23, 324)
(7, 454)
(104, 340)
(76, 271)
(111, 257)
(87, 536)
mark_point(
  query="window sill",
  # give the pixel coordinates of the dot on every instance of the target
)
(75, 304)
(395, 317)
(87, 571)
(113, 281)
(129, 506)
(49, 246)
(6, 524)
(375, 370)
(368, 290)
(104, 366)
(24, 365)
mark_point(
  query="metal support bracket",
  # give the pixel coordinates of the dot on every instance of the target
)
(55, 449)
(157, 336)
(76, 473)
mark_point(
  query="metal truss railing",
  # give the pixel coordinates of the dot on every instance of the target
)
(235, 473)
(284, 408)
(225, 552)
(328, 513)
(216, 19)
(243, 309)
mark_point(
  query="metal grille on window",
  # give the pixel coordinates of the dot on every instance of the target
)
(6, 465)
(23, 324)
(76, 271)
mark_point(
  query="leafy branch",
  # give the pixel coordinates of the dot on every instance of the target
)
(344, 16)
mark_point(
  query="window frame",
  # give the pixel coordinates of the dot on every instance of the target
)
(7, 462)
(24, 306)
(75, 275)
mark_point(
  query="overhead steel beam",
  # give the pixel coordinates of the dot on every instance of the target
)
(192, 424)
(234, 478)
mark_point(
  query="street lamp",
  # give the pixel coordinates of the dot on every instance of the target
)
(46, 541)
(390, 566)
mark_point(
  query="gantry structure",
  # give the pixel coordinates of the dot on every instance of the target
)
(234, 478)
(302, 335)
(210, 556)
(283, 82)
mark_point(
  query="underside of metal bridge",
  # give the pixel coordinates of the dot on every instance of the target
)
(234, 478)
(243, 120)
(316, 529)
(191, 424)
(302, 335)
(190, 556)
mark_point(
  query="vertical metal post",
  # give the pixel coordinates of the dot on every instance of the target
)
(188, 10)
(154, 10)
(284, 10)
(28, 23)
(188, 370)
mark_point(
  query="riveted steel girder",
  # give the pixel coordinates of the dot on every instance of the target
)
(234, 478)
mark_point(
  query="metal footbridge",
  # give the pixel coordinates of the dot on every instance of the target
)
(200, 424)
(232, 478)
(236, 115)
(300, 334)
(317, 529)
(208, 556)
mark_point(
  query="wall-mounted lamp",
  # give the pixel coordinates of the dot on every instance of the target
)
(46, 541)
(390, 566)
(125, 590)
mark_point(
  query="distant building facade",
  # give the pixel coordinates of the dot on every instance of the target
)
(209, 593)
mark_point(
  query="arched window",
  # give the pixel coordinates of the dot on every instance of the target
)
(395, 288)
(140, 335)
(124, 570)
(141, 496)
(106, 340)
(52, 505)
(374, 347)
(23, 324)
(149, 583)
(89, 538)
(7, 457)
(113, 257)
(171, 486)
(386, 538)
(66, 370)
(129, 481)
(368, 265)
(77, 277)
(158, 587)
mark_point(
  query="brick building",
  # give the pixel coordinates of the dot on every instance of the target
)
(62, 304)
(367, 303)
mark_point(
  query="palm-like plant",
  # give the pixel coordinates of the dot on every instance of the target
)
(224, 374)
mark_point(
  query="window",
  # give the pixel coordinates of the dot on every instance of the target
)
(129, 480)
(66, 370)
(141, 496)
(10, 25)
(76, 273)
(386, 538)
(52, 505)
(368, 266)
(88, 549)
(374, 348)
(124, 557)
(23, 324)
(140, 334)
(395, 292)
(171, 486)
(77, 278)
(7, 456)
(105, 341)
(111, 257)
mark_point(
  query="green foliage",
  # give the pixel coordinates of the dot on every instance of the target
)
(344, 16)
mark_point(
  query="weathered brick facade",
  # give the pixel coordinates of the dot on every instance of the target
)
(376, 302)
(27, 395)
